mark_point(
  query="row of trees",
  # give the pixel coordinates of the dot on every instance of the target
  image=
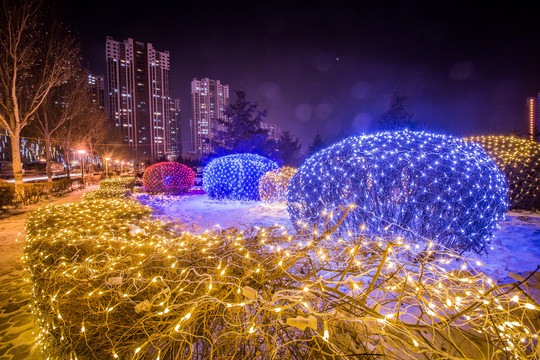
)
(44, 88)
(241, 132)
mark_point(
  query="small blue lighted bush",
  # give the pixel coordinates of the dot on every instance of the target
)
(409, 184)
(236, 176)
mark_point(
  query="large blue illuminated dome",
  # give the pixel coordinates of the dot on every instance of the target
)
(415, 185)
(236, 176)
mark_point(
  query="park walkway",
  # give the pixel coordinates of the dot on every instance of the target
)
(16, 322)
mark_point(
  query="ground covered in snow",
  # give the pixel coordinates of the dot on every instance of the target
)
(515, 248)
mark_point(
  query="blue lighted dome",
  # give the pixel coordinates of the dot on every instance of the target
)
(236, 176)
(414, 185)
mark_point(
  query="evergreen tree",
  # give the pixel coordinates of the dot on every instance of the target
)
(396, 116)
(317, 144)
(289, 149)
(240, 131)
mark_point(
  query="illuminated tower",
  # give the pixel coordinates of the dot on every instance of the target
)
(209, 99)
(533, 117)
(139, 100)
(97, 90)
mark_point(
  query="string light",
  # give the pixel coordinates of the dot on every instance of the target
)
(168, 177)
(519, 160)
(278, 303)
(236, 176)
(273, 184)
(414, 185)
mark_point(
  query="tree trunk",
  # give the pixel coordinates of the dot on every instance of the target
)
(91, 161)
(68, 166)
(17, 165)
(48, 157)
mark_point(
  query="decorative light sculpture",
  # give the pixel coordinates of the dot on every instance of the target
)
(273, 184)
(414, 185)
(119, 280)
(519, 160)
(168, 177)
(236, 176)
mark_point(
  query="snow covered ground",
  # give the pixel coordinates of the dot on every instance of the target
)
(201, 212)
(515, 248)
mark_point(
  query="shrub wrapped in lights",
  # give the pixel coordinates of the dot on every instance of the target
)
(410, 184)
(120, 183)
(168, 178)
(236, 176)
(120, 285)
(273, 184)
(519, 160)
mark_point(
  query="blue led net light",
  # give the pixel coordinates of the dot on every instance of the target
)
(414, 185)
(236, 176)
(168, 177)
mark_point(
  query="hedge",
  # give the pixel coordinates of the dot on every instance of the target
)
(111, 282)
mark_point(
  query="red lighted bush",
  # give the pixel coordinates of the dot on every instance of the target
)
(168, 177)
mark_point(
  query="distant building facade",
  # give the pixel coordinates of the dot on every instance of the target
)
(274, 131)
(139, 99)
(533, 114)
(209, 99)
(175, 135)
(96, 85)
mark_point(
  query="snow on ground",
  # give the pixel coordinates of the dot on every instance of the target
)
(514, 249)
(202, 213)
(516, 245)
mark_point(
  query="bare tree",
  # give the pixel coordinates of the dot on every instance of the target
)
(36, 57)
(64, 102)
(95, 122)
(112, 145)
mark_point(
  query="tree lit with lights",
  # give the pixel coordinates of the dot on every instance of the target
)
(236, 176)
(414, 185)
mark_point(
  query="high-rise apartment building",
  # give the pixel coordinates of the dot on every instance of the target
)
(139, 100)
(274, 131)
(533, 117)
(209, 100)
(96, 85)
(175, 135)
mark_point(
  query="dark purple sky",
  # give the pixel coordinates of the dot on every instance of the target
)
(330, 67)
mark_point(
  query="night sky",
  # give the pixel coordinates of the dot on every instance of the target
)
(331, 66)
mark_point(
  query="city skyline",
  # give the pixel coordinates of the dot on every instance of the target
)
(209, 99)
(139, 101)
(466, 69)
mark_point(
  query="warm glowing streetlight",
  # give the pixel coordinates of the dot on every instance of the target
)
(82, 152)
(107, 166)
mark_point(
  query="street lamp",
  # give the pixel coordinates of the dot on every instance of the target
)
(107, 167)
(121, 166)
(82, 152)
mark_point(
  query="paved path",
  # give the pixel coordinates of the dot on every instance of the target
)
(16, 321)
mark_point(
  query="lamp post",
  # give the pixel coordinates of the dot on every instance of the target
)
(121, 166)
(107, 167)
(82, 152)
